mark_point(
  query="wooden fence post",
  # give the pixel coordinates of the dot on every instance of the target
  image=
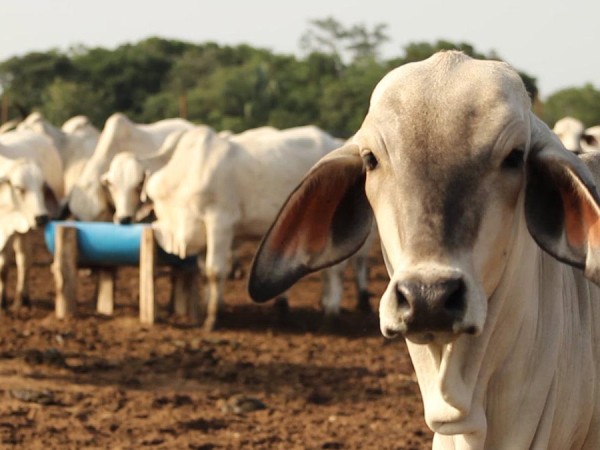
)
(4, 109)
(64, 269)
(147, 270)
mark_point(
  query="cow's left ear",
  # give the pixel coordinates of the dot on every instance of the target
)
(325, 220)
(562, 205)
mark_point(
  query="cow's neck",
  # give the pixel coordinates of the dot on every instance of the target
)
(496, 386)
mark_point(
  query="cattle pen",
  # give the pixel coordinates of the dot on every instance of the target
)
(98, 381)
(104, 246)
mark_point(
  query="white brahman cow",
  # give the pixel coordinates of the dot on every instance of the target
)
(490, 230)
(80, 125)
(31, 187)
(75, 143)
(214, 190)
(126, 176)
(87, 200)
(571, 133)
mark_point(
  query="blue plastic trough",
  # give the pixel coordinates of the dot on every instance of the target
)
(109, 244)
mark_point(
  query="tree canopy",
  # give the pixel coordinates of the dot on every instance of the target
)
(235, 87)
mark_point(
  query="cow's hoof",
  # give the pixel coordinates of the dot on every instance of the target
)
(209, 325)
(237, 271)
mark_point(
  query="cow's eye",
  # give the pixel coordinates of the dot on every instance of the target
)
(369, 160)
(514, 160)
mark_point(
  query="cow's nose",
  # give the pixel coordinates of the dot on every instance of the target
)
(124, 220)
(433, 306)
(41, 220)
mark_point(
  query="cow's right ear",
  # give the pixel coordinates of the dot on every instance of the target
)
(325, 220)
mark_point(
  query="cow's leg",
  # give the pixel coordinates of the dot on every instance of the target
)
(360, 268)
(22, 248)
(333, 289)
(3, 276)
(236, 269)
(219, 239)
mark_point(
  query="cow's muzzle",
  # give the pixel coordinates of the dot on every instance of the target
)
(425, 310)
(42, 220)
(124, 220)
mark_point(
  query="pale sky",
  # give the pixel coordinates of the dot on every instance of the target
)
(556, 41)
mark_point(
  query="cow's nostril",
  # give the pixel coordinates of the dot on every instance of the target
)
(391, 333)
(401, 299)
(472, 330)
(455, 300)
(125, 220)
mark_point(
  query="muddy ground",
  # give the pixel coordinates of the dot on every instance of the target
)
(255, 383)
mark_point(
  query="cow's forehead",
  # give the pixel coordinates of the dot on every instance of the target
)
(449, 99)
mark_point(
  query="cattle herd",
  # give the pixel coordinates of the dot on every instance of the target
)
(489, 226)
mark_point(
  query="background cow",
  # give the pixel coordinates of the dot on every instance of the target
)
(126, 176)
(75, 146)
(215, 190)
(31, 187)
(590, 141)
(88, 201)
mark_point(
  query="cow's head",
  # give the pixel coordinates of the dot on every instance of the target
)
(26, 201)
(570, 132)
(590, 141)
(124, 181)
(452, 164)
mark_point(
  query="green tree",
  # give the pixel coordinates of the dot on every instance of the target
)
(583, 103)
(353, 43)
(64, 99)
(298, 87)
(129, 74)
(345, 102)
(25, 78)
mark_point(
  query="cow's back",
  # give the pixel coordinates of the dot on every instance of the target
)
(270, 165)
(28, 144)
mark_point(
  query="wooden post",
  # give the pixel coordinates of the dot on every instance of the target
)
(106, 291)
(4, 109)
(183, 109)
(147, 269)
(64, 269)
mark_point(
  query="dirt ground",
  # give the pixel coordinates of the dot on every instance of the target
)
(258, 382)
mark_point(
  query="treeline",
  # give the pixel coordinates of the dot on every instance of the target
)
(237, 87)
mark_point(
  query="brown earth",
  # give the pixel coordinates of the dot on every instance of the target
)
(258, 382)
